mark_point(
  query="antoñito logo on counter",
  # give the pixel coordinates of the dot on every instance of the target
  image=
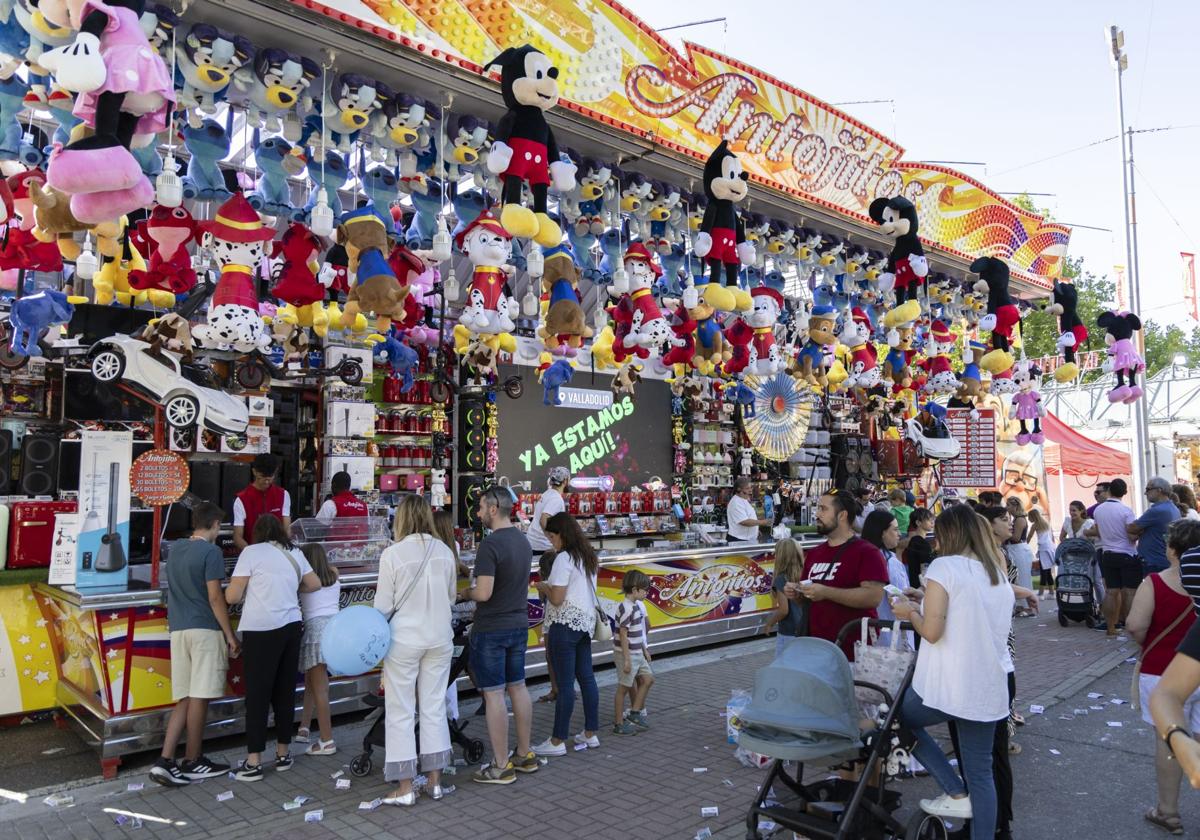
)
(710, 586)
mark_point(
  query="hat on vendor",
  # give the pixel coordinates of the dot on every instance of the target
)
(237, 221)
(637, 251)
(483, 220)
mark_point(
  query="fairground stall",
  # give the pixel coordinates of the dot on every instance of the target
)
(438, 251)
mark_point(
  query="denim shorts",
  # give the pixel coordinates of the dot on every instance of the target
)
(498, 658)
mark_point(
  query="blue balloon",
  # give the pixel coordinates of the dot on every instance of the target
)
(355, 641)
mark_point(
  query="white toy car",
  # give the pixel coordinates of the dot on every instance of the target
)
(933, 448)
(130, 361)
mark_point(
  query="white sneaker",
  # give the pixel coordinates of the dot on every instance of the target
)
(548, 747)
(593, 743)
(321, 748)
(947, 806)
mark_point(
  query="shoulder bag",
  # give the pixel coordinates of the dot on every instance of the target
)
(602, 630)
(1135, 700)
(408, 590)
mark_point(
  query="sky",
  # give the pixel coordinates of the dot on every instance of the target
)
(1005, 85)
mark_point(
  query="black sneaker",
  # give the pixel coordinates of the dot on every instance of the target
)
(203, 768)
(247, 772)
(283, 762)
(166, 772)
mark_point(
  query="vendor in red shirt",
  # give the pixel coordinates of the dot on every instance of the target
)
(342, 503)
(261, 496)
(843, 576)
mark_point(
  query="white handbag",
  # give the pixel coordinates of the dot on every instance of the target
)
(880, 665)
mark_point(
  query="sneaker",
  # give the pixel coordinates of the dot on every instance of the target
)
(947, 806)
(495, 775)
(549, 748)
(437, 792)
(283, 762)
(301, 736)
(624, 728)
(166, 772)
(638, 719)
(247, 772)
(592, 743)
(203, 768)
(527, 764)
(1102, 626)
(322, 748)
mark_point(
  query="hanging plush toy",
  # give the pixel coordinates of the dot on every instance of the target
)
(34, 314)
(864, 365)
(970, 381)
(54, 223)
(206, 62)
(553, 377)
(1122, 354)
(1002, 313)
(523, 148)
(490, 307)
(896, 364)
(344, 111)
(811, 358)
(20, 247)
(375, 288)
(237, 239)
(1027, 402)
(941, 378)
(906, 266)
(125, 94)
(765, 357)
(648, 329)
(1073, 331)
(563, 327)
(712, 350)
(721, 241)
(207, 144)
(279, 160)
(682, 357)
(299, 279)
(170, 272)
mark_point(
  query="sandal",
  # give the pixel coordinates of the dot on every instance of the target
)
(548, 697)
(1017, 718)
(1014, 748)
(1172, 825)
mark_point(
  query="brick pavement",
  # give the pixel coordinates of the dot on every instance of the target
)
(640, 787)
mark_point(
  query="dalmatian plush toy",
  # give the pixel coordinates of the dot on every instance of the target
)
(490, 307)
(238, 241)
(648, 327)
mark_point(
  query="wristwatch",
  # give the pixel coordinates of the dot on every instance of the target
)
(1169, 733)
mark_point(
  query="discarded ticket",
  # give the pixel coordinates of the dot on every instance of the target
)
(225, 796)
(1035, 709)
(59, 800)
(342, 784)
(370, 806)
(699, 769)
(1055, 752)
(291, 805)
(710, 811)
(135, 786)
(314, 816)
(1115, 724)
(337, 774)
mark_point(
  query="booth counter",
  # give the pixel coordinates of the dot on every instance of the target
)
(113, 658)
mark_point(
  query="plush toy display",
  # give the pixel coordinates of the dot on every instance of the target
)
(811, 357)
(208, 144)
(279, 160)
(864, 372)
(53, 222)
(765, 356)
(1074, 334)
(21, 248)
(330, 178)
(906, 266)
(375, 288)
(721, 240)
(345, 110)
(556, 375)
(523, 148)
(682, 356)
(563, 328)
(1122, 354)
(402, 359)
(490, 307)
(238, 241)
(896, 364)
(273, 85)
(936, 364)
(205, 61)
(125, 94)
(1002, 313)
(648, 331)
(34, 314)
(712, 351)
(1027, 402)
(169, 272)
(299, 278)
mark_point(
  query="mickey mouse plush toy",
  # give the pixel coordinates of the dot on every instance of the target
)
(721, 240)
(524, 149)
(1074, 332)
(907, 267)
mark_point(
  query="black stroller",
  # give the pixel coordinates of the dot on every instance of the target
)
(804, 710)
(472, 748)
(1075, 591)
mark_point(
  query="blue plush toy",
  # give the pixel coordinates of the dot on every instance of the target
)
(205, 62)
(12, 103)
(581, 246)
(208, 145)
(33, 315)
(402, 359)
(427, 205)
(553, 378)
(14, 41)
(333, 178)
(380, 183)
(612, 245)
(468, 205)
(344, 111)
(42, 36)
(672, 265)
(743, 396)
(277, 159)
(147, 158)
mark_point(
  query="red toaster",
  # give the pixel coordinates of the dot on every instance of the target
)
(30, 531)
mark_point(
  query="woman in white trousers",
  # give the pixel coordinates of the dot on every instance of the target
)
(417, 589)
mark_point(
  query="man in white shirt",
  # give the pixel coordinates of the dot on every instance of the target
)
(742, 521)
(1119, 562)
(550, 503)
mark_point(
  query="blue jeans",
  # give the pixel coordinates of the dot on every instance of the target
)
(498, 658)
(975, 743)
(570, 653)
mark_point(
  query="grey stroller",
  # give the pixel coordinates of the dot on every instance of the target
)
(1075, 590)
(804, 710)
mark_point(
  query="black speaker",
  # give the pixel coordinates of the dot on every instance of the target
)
(472, 437)
(205, 484)
(234, 478)
(6, 461)
(470, 488)
(39, 465)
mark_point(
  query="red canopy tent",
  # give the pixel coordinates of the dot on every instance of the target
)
(1078, 455)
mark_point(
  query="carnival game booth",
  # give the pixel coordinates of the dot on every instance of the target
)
(347, 238)
(1075, 464)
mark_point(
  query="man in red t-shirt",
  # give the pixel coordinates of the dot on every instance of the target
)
(843, 577)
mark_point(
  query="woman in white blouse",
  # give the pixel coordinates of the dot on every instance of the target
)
(570, 593)
(416, 589)
(962, 667)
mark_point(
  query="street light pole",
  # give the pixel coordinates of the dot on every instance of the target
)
(1138, 414)
(1142, 407)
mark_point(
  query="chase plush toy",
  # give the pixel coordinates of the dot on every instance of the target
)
(523, 148)
(238, 241)
(1027, 403)
(721, 240)
(1002, 313)
(1122, 354)
(811, 359)
(375, 287)
(34, 314)
(126, 92)
(907, 267)
(1073, 331)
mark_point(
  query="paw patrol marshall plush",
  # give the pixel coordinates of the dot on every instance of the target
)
(490, 307)
(941, 378)
(766, 358)
(864, 361)
(238, 240)
(648, 328)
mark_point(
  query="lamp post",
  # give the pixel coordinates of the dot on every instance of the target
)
(1139, 412)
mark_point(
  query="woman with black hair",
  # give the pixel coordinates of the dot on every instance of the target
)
(918, 553)
(570, 593)
(881, 530)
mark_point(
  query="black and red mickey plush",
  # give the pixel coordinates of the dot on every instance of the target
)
(1073, 331)
(907, 266)
(721, 241)
(523, 149)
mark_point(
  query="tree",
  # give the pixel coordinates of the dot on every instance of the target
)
(1039, 329)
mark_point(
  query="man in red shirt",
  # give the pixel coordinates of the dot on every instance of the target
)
(342, 502)
(261, 496)
(843, 577)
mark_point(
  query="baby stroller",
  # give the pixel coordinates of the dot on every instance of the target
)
(804, 710)
(1075, 592)
(472, 748)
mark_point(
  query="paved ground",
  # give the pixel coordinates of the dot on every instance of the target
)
(643, 787)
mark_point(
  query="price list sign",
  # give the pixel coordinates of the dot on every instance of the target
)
(159, 477)
(976, 464)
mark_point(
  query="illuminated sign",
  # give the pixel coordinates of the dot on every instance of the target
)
(583, 443)
(585, 399)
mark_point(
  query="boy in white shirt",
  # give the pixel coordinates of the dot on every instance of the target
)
(631, 653)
